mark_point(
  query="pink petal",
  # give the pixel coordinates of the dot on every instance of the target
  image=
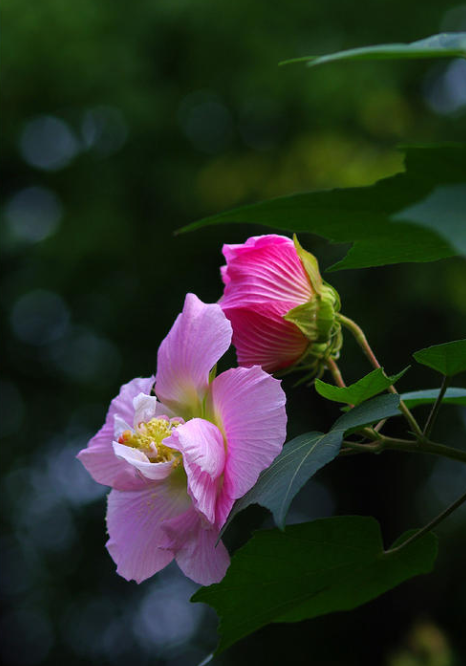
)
(266, 268)
(249, 407)
(200, 335)
(99, 458)
(195, 549)
(148, 470)
(134, 522)
(262, 337)
(203, 449)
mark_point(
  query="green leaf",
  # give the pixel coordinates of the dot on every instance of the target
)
(372, 384)
(445, 45)
(453, 396)
(367, 216)
(442, 211)
(449, 358)
(369, 412)
(309, 570)
(297, 463)
(304, 456)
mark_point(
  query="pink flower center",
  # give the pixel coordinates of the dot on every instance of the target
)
(148, 437)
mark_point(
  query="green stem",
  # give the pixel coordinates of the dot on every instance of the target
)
(436, 407)
(361, 339)
(430, 526)
(408, 446)
(335, 370)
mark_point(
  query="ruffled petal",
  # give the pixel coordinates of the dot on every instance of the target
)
(148, 470)
(196, 550)
(249, 407)
(200, 335)
(99, 458)
(265, 268)
(203, 449)
(262, 337)
(135, 519)
(145, 408)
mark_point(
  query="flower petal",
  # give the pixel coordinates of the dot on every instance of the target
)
(196, 550)
(134, 523)
(262, 337)
(145, 407)
(203, 449)
(149, 470)
(200, 335)
(99, 458)
(264, 268)
(249, 407)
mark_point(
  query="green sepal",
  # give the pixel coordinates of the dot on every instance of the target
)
(310, 265)
(316, 318)
(213, 374)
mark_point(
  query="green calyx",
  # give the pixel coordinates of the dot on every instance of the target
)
(316, 318)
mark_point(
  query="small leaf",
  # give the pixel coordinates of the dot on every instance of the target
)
(368, 217)
(453, 396)
(449, 358)
(445, 45)
(311, 569)
(372, 384)
(304, 456)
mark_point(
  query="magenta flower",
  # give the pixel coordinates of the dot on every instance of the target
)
(177, 460)
(278, 304)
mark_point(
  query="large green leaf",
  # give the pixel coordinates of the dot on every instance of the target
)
(305, 455)
(445, 45)
(372, 384)
(443, 211)
(311, 569)
(453, 396)
(365, 216)
(449, 358)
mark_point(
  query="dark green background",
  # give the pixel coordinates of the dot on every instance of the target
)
(147, 116)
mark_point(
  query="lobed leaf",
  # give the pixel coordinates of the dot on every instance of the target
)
(311, 569)
(377, 219)
(372, 384)
(445, 45)
(448, 358)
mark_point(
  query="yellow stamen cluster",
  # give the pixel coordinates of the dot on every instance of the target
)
(148, 437)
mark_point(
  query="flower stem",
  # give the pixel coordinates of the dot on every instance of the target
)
(408, 446)
(335, 370)
(361, 339)
(430, 526)
(436, 407)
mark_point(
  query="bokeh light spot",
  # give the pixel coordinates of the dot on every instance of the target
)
(33, 214)
(48, 143)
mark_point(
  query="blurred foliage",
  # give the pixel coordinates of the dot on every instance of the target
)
(427, 645)
(122, 124)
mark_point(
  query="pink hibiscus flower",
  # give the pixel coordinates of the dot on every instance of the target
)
(277, 302)
(177, 460)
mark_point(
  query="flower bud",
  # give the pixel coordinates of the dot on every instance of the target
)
(281, 311)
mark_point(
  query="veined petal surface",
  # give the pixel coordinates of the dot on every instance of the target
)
(248, 405)
(199, 337)
(263, 269)
(202, 446)
(134, 523)
(196, 550)
(262, 337)
(99, 458)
